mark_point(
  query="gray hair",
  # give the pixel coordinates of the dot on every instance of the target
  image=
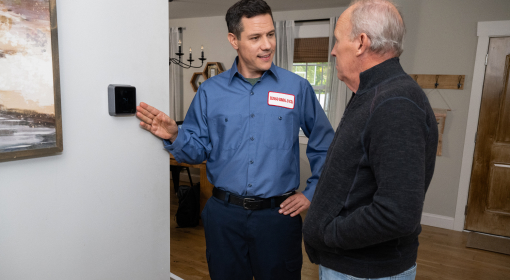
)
(383, 24)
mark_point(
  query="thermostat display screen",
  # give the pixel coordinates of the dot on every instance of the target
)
(125, 100)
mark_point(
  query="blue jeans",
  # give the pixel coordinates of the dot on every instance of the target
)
(329, 274)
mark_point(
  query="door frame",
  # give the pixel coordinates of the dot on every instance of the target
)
(485, 30)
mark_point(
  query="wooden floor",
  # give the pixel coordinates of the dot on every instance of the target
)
(442, 255)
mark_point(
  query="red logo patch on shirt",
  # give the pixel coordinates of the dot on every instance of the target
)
(280, 99)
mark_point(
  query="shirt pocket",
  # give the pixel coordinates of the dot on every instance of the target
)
(228, 132)
(278, 131)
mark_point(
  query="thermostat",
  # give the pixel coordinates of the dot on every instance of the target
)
(121, 100)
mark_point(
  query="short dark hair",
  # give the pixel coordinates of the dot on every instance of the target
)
(245, 8)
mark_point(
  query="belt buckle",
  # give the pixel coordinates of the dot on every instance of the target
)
(246, 200)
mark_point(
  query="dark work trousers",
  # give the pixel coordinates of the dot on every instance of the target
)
(245, 243)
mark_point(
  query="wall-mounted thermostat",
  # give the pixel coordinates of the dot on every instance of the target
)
(121, 100)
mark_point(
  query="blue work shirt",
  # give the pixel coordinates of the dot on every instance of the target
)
(249, 134)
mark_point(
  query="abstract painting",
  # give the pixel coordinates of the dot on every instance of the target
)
(30, 115)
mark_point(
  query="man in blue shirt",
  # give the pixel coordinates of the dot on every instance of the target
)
(245, 122)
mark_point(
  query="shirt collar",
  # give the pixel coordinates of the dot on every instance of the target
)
(233, 71)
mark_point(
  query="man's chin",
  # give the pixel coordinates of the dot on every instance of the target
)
(264, 66)
(269, 63)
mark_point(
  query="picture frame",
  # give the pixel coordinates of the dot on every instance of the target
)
(212, 70)
(30, 109)
(440, 115)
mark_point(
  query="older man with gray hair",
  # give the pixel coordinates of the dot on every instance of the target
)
(364, 220)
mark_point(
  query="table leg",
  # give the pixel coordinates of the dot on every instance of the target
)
(176, 172)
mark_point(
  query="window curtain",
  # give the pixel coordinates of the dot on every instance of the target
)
(284, 44)
(337, 92)
(176, 87)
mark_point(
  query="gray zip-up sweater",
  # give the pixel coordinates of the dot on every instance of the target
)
(364, 219)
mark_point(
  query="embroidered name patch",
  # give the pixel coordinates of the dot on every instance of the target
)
(280, 99)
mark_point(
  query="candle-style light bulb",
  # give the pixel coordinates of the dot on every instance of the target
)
(179, 43)
(189, 50)
(202, 48)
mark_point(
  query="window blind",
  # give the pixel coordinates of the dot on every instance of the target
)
(311, 49)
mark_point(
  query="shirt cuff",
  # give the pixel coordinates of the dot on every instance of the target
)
(309, 193)
(175, 147)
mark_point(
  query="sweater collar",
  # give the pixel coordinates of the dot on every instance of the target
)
(378, 74)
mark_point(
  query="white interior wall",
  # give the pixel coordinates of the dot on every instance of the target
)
(100, 209)
(313, 29)
(441, 39)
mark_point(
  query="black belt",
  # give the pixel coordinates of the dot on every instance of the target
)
(250, 203)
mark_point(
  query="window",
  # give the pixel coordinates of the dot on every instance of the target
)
(311, 63)
(316, 73)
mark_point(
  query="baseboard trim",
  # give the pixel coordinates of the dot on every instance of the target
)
(488, 242)
(437, 221)
(174, 277)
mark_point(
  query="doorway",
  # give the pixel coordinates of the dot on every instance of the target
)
(488, 208)
(485, 31)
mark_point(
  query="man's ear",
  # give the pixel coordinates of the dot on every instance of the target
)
(362, 43)
(233, 40)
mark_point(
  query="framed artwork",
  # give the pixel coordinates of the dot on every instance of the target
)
(441, 119)
(212, 69)
(30, 113)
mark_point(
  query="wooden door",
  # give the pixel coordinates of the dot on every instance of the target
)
(488, 207)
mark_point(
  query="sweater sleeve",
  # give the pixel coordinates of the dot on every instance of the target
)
(394, 142)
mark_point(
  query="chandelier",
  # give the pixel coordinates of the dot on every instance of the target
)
(184, 65)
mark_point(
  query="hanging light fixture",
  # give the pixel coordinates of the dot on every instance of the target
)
(184, 65)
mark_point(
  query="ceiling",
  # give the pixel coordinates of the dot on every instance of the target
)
(209, 8)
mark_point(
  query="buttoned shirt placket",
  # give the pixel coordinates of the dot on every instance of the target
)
(252, 141)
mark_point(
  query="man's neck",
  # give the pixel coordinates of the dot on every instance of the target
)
(366, 63)
(245, 71)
